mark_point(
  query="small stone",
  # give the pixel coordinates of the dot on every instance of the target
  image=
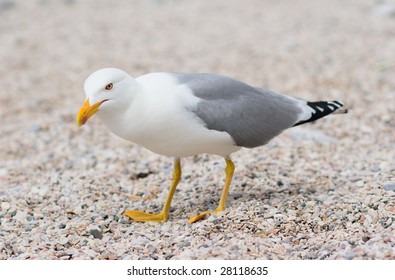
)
(91, 253)
(62, 226)
(390, 186)
(311, 255)
(5, 205)
(355, 178)
(280, 183)
(21, 216)
(37, 215)
(139, 241)
(375, 167)
(350, 255)
(35, 128)
(96, 233)
(278, 249)
(63, 240)
(365, 238)
(360, 184)
(151, 249)
(184, 244)
(324, 254)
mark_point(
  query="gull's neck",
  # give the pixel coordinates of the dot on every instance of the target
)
(119, 118)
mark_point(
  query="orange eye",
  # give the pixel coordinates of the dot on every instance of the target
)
(109, 86)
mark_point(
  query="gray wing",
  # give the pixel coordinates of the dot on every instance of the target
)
(252, 116)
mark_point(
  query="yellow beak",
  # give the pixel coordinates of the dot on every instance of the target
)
(87, 111)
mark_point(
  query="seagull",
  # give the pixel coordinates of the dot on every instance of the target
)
(186, 114)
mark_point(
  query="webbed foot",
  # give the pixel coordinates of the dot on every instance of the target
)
(140, 216)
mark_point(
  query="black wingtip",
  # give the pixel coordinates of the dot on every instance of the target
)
(321, 109)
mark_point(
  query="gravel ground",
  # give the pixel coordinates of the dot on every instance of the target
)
(322, 191)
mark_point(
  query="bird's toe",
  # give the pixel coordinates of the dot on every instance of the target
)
(140, 216)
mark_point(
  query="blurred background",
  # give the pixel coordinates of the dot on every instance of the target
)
(309, 49)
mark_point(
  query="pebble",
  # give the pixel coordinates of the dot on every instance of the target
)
(139, 241)
(389, 186)
(360, 184)
(91, 253)
(184, 244)
(278, 249)
(5, 206)
(350, 255)
(96, 233)
(63, 240)
(21, 216)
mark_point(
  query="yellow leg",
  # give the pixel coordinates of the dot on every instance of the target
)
(140, 216)
(229, 170)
